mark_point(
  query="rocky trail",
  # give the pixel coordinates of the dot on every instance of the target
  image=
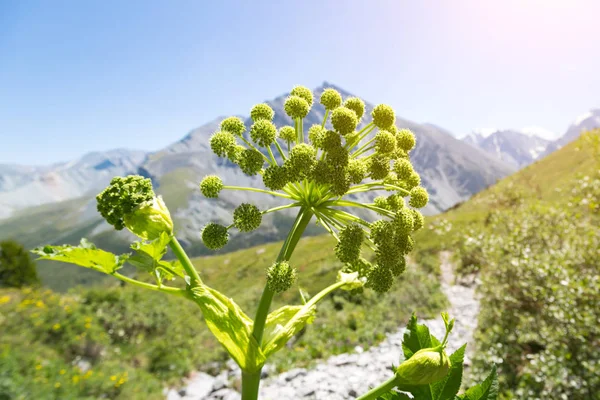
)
(348, 375)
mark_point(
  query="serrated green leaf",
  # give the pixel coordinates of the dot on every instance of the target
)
(84, 255)
(394, 395)
(447, 388)
(283, 323)
(486, 390)
(148, 257)
(416, 337)
(230, 326)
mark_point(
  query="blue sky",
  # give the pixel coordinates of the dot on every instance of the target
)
(80, 76)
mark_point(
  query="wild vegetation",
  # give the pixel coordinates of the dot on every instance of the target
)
(539, 262)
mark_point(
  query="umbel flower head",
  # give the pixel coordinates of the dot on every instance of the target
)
(130, 202)
(319, 170)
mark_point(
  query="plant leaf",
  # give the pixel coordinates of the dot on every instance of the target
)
(447, 388)
(486, 390)
(148, 257)
(231, 327)
(416, 337)
(84, 255)
(283, 323)
(394, 395)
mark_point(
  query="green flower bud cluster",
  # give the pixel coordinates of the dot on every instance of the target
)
(215, 236)
(263, 132)
(392, 242)
(280, 277)
(348, 248)
(211, 186)
(287, 133)
(331, 99)
(122, 197)
(262, 112)
(247, 217)
(344, 120)
(233, 125)
(357, 105)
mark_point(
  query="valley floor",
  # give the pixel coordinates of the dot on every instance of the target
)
(346, 376)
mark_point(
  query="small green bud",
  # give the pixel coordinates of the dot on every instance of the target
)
(419, 220)
(301, 161)
(247, 217)
(280, 276)
(426, 366)
(331, 99)
(251, 161)
(356, 105)
(395, 202)
(403, 168)
(398, 268)
(385, 142)
(263, 132)
(222, 143)
(381, 231)
(387, 254)
(351, 237)
(344, 120)
(383, 116)
(262, 111)
(405, 243)
(316, 134)
(275, 177)
(303, 92)
(340, 182)
(379, 166)
(149, 219)
(381, 202)
(338, 156)
(215, 236)
(406, 140)
(323, 173)
(331, 140)
(235, 153)
(122, 197)
(287, 133)
(296, 107)
(418, 197)
(413, 180)
(210, 186)
(380, 279)
(233, 125)
(357, 170)
(399, 154)
(404, 221)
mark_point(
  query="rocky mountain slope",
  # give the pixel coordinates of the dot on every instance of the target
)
(585, 122)
(451, 169)
(515, 147)
(26, 186)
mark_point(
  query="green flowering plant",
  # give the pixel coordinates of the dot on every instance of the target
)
(317, 171)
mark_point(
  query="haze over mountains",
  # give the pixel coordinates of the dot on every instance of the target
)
(56, 204)
(524, 146)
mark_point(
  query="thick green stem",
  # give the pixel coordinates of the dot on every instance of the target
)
(251, 382)
(379, 390)
(185, 262)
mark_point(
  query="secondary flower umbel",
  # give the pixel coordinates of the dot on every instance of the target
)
(318, 172)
